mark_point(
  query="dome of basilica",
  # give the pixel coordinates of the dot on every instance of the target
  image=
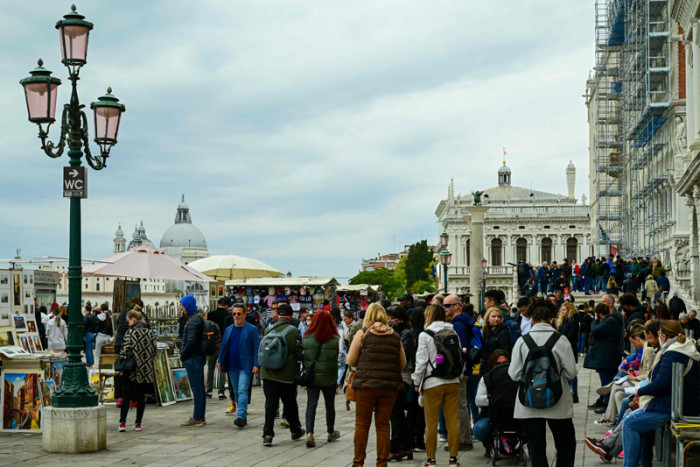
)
(183, 234)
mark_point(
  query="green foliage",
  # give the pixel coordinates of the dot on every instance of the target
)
(424, 286)
(392, 287)
(418, 263)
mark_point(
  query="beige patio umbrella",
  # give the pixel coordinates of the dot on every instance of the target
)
(145, 262)
(227, 267)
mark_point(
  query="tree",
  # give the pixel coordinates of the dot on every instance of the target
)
(383, 277)
(424, 286)
(418, 263)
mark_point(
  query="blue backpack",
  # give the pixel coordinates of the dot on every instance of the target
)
(475, 352)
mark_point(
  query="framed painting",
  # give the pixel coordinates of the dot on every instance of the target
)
(20, 323)
(57, 371)
(36, 342)
(47, 387)
(7, 336)
(26, 342)
(163, 384)
(183, 392)
(30, 322)
(21, 398)
(174, 362)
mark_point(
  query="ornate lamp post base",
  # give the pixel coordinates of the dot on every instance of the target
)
(74, 430)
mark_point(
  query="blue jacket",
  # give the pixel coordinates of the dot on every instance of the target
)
(660, 385)
(247, 348)
(191, 345)
(463, 324)
(663, 280)
(542, 275)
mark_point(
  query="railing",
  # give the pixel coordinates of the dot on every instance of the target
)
(496, 271)
(495, 211)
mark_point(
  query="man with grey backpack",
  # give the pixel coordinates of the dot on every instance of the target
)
(277, 356)
(543, 364)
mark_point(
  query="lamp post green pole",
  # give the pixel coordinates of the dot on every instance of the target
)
(40, 92)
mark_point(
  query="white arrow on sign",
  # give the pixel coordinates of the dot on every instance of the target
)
(73, 173)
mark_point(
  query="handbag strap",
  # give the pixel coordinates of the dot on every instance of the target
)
(318, 351)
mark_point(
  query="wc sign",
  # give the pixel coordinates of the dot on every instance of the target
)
(74, 182)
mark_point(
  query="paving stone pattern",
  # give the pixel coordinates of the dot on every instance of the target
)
(164, 443)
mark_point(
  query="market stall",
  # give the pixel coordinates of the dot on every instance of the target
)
(356, 297)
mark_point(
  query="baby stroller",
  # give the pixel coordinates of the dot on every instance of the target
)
(507, 434)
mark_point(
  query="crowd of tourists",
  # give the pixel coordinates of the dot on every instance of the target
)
(436, 369)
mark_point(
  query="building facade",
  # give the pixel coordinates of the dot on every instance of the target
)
(519, 223)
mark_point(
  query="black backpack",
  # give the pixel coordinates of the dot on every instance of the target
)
(540, 384)
(447, 344)
(211, 337)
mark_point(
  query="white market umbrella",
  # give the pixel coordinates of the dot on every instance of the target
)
(146, 262)
(227, 267)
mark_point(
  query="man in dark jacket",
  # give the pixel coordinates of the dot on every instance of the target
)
(193, 358)
(279, 383)
(217, 316)
(605, 351)
(463, 325)
(633, 310)
(677, 306)
(584, 271)
(629, 285)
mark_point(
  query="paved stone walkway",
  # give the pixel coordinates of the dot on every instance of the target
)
(163, 442)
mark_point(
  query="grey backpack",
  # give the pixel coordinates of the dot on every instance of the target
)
(273, 352)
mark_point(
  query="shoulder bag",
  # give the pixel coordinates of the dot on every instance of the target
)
(307, 373)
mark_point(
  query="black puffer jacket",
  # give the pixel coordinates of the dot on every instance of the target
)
(604, 352)
(498, 338)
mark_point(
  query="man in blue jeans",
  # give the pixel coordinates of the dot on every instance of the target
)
(238, 355)
(192, 356)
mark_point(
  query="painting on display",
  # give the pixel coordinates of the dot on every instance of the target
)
(26, 342)
(53, 371)
(174, 362)
(20, 324)
(183, 392)
(48, 388)
(17, 287)
(30, 322)
(7, 336)
(21, 399)
(162, 369)
(36, 342)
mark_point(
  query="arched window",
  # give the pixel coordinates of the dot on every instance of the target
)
(521, 249)
(546, 250)
(97, 286)
(496, 252)
(572, 249)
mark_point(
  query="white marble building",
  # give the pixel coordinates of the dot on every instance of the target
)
(519, 223)
(183, 241)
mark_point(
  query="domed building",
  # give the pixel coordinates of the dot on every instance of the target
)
(138, 238)
(183, 240)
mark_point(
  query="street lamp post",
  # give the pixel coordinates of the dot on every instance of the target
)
(40, 91)
(482, 284)
(445, 260)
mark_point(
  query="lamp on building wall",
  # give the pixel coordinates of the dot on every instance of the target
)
(445, 260)
(444, 239)
(40, 91)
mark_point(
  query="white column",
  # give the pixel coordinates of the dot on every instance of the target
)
(689, 93)
(695, 82)
(476, 250)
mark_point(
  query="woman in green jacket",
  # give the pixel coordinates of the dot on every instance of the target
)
(321, 343)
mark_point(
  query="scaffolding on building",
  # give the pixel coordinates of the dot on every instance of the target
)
(608, 127)
(632, 132)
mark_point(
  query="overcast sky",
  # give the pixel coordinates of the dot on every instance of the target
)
(307, 134)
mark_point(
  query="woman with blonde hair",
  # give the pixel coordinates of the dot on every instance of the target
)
(568, 326)
(612, 286)
(496, 336)
(437, 391)
(378, 356)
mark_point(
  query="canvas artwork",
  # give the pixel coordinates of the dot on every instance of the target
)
(20, 324)
(36, 342)
(47, 389)
(30, 323)
(53, 371)
(26, 343)
(163, 384)
(182, 385)
(21, 399)
(7, 336)
(174, 362)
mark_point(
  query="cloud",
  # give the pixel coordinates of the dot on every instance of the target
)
(307, 134)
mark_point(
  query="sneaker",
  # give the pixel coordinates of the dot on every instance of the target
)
(453, 462)
(231, 409)
(137, 427)
(596, 404)
(419, 449)
(442, 439)
(574, 396)
(267, 441)
(429, 463)
(596, 446)
(122, 428)
(296, 436)
(133, 404)
(603, 421)
(208, 394)
(201, 422)
(333, 436)
(284, 423)
(193, 422)
(607, 459)
(600, 410)
(310, 442)
(239, 422)
(120, 401)
(222, 396)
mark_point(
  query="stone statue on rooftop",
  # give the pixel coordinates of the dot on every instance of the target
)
(477, 197)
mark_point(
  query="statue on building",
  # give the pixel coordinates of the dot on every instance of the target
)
(680, 133)
(477, 197)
